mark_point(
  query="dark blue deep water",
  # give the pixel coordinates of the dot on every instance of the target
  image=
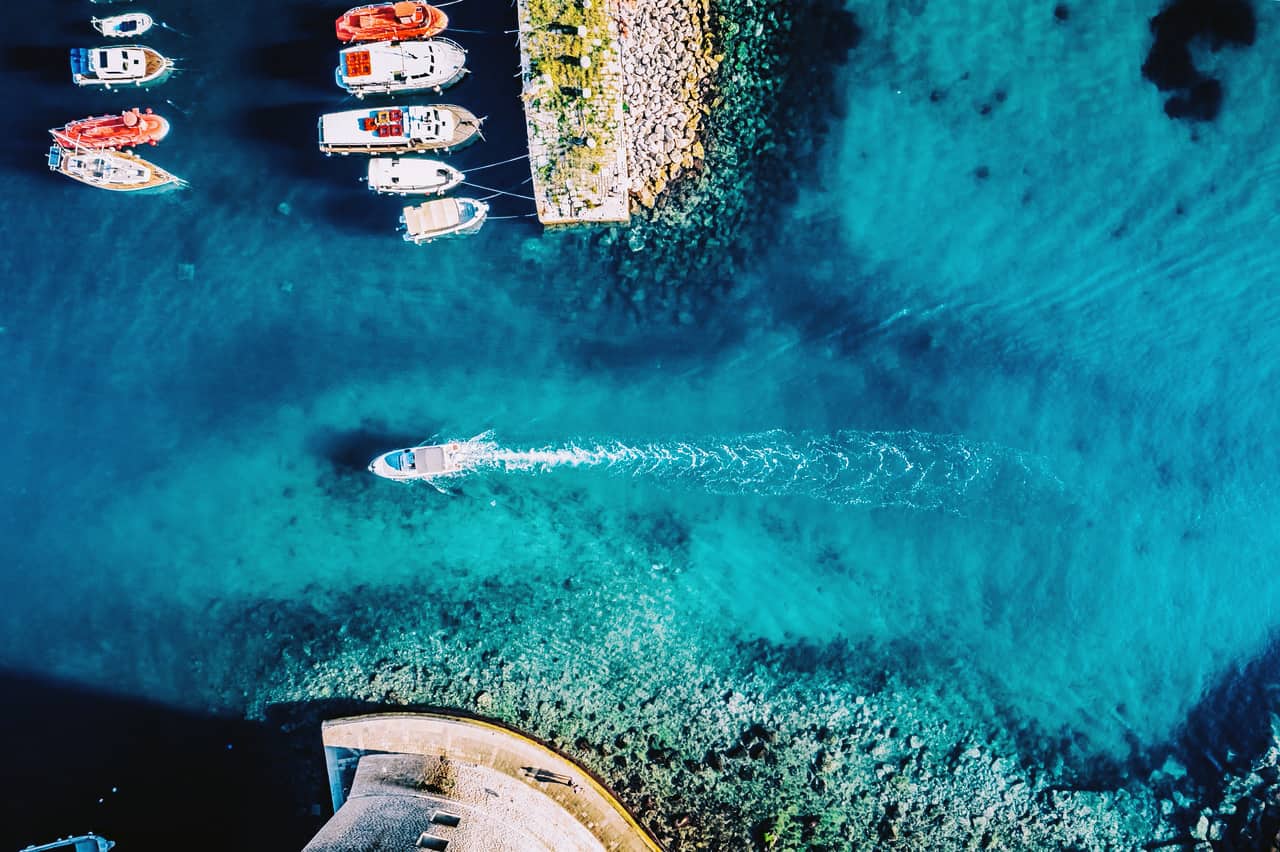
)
(997, 385)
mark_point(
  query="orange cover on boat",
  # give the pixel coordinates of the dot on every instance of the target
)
(129, 128)
(359, 64)
(407, 19)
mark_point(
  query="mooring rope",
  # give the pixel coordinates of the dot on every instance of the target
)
(497, 192)
(520, 216)
(502, 163)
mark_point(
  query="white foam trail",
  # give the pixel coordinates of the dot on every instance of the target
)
(907, 469)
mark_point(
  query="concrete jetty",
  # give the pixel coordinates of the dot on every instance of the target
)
(572, 89)
(439, 781)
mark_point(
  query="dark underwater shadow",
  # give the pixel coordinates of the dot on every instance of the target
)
(290, 127)
(309, 61)
(350, 450)
(148, 776)
(359, 211)
(46, 64)
(1231, 725)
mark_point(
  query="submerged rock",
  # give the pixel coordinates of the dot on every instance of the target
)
(1183, 25)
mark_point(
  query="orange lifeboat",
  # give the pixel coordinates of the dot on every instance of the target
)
(408, 19)
(129, 128)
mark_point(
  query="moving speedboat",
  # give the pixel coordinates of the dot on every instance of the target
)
(397, 130)
(425, 462)
(118, 171)
(443, 217)
(132, 65)
(410, 66)
(411, 176)
(82, 843)
(129, 128)
(123, 26)
(407, 19)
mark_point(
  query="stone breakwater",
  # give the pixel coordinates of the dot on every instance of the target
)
(713, 744)
(667, 69)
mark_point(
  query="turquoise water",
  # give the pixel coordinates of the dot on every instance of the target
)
(996, 386)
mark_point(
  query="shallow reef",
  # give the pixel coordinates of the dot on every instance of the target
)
(713, 742)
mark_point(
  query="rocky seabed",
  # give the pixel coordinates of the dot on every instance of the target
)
(713, 744)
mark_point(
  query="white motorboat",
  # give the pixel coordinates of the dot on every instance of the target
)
(82, 843)
(131, 65)
(118, 171)
(123, 26)
(411, 176)
(429, 461)
(397, 130)
(381, 68)
(443, 217)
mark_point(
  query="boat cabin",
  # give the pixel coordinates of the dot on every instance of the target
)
(419, 460)
(118, 63)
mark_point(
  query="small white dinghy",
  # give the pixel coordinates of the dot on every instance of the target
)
(425, 462)
(443, 217)
(381, 68)
(131, 65)
(411, 176)
(123, 26)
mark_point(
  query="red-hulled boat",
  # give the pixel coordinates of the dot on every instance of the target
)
(129, 128)
(408, 19)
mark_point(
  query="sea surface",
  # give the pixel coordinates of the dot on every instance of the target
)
(997, 387)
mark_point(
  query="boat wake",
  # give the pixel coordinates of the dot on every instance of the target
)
(883, 469)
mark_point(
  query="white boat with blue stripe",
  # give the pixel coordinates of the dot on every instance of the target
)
(110, 67)
(425, 462)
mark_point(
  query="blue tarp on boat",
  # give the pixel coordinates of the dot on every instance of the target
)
(80, 61)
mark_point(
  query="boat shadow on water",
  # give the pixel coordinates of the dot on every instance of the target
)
(306, 61)
(45, 63)
(349, 450)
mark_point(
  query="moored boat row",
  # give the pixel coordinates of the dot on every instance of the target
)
(91, 150)
(395, 50)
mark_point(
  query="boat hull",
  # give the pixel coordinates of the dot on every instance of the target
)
(426, 463)
(398, 130)
(390, 22)
(156, 69)
(443, 218)
(112, 131)
(114, 171)
(123, 26)
(397, 176)
(415, 66)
